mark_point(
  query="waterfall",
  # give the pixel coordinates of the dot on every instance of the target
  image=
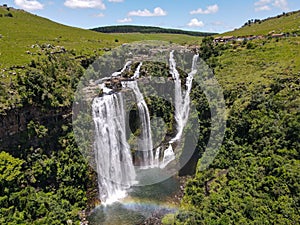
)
(145, 140)
(115, 169)
(169, 156)
(105, 89)
(182, 104)
(127, 64)
(112, 153)
(156, 159)
(137, 71)
(188, 84)
(178, 96)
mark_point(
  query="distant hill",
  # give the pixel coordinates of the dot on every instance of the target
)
(148, 29)
(284, 23)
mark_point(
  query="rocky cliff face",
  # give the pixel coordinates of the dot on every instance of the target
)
(16, 121)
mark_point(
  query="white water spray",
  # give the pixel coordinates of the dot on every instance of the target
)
(112, 153)
(145, 144)
(127, 65)
(182, 104)
(137, 72)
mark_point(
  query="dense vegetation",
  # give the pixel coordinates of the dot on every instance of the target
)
(147, 29)
(44, 177)
(255, 177)
(42, 185)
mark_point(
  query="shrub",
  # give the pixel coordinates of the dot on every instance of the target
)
(168, 219)
(250, 45)
(244, 42)
(9, 15)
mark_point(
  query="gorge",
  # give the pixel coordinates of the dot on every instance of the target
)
(117, 171)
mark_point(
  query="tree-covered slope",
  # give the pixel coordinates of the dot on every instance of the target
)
(147, 29)
(255, 177)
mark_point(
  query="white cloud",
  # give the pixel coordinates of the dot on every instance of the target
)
(263, 8)
(29, 4)
(85, 4)
(262, 2)
(217, 23)
(125, 20)
(157, 12)
(209, 10)
(99, 15)
(116, 0)
(263, 5)
(282, 4)
(195, 23)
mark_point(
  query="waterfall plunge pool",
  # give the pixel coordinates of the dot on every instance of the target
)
(143, 203)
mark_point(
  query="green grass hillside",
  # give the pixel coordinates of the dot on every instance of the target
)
(258, 62)
(22, 30)
(285, 23)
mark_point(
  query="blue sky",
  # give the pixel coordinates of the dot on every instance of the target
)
(199, 15)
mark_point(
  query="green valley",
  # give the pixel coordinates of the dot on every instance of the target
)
(255, 179)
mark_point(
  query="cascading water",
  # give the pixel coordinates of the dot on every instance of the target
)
(182, 105)
(113, 157)
(156, 159)
(145, 144)
(178, 96)
(168, 157)
(127, 65)
(137, 71)
(112, 153)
